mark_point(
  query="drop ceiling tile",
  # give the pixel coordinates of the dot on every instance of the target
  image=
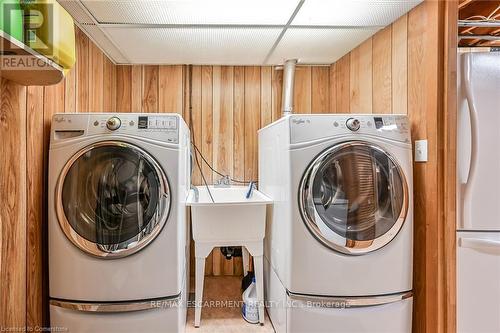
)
(318, 45)
(104, 43)
(77, 11)
(352, 12)
(242, 12)
(224, 46)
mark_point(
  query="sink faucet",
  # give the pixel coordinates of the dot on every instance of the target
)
(196, 193)
(251, 187)
(223, 182)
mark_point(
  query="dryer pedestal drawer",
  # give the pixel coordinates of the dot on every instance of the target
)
(291, 313)
(393, 317)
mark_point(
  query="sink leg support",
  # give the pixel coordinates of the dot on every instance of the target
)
(202, 250)
(256, 249)
(246, 260)
(200, 275)
(259, 279)
(201, 253)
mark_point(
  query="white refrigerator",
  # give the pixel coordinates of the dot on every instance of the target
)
(478, 193)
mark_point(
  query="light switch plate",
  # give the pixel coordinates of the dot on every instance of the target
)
(421, 151)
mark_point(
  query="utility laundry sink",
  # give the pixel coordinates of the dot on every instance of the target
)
(230, 217)
(223, 216)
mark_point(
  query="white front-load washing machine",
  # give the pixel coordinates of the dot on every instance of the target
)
(117, 222)
(339, 242)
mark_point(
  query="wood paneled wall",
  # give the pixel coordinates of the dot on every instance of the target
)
(373, 78)
(404, 69)
(396, 71)
(25, 115)
(13, 210)
(229, 105)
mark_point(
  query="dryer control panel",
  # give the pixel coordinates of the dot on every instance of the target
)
(305, 128)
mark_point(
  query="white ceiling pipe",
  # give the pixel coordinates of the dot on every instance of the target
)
(288, 81)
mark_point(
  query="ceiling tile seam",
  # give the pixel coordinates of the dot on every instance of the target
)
(230, 26)
(105, 51)
(280, 36)
(119, 49)
(187, 26)
(289, 25)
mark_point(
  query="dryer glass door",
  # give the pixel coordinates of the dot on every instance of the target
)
(113, 199)
(354, 197)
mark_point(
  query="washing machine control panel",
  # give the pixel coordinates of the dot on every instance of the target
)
(113, 123)
(157, 123)
(314, 127)
(353, 124)
(159, 127)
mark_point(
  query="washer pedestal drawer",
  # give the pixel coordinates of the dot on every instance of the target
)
(164, 317)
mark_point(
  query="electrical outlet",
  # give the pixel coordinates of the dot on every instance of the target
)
(421, 151)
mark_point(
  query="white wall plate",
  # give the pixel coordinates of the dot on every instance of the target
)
(421, 151)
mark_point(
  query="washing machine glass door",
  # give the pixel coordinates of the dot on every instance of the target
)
(354, 197)
(112, 199)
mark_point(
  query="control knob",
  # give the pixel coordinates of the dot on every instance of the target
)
(113, 123)
(353, 124)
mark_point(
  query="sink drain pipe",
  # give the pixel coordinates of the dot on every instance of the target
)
(288, 82)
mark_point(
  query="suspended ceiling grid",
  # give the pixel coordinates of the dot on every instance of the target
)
(232, 32)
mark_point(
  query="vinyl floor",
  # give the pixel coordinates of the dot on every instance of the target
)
(222, 309)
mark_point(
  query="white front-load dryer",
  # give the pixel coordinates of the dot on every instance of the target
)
(117, 222)
(341, 230)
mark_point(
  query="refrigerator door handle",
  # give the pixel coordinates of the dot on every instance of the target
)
(466, 71)
(480, 244)
(467, 167)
